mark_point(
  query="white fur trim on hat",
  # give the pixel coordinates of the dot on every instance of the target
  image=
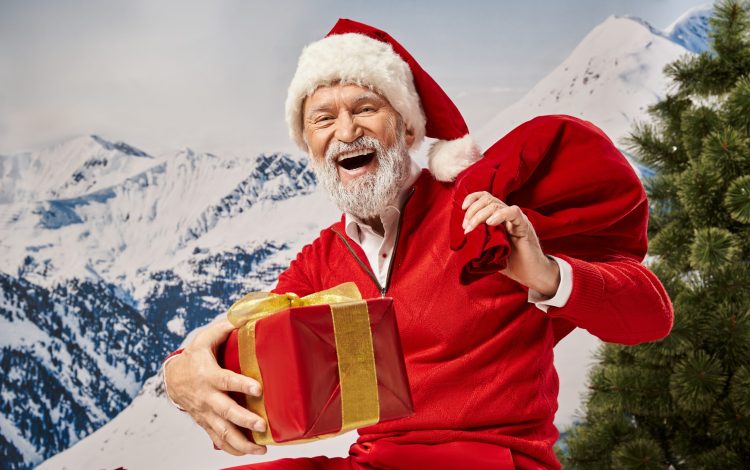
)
(360, 60)
(447, 158)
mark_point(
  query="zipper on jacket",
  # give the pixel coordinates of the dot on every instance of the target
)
(382, 289)
(361, 263)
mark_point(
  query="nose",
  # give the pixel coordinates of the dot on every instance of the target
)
(347, 129)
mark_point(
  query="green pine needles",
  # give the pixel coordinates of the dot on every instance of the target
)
(684, 402)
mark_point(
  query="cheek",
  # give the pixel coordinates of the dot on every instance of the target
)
(316, 145)
(386, 131)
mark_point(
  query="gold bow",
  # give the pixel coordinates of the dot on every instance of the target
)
(258, 305)
(356, 357)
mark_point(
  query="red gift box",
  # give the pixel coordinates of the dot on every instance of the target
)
(298, 361)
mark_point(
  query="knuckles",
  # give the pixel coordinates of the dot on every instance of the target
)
(225, 382)
(226, 413)
(485, 206)
(201, 405)
(224, 433)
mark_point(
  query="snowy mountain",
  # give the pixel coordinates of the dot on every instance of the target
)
(157, 213)
(72, 358)
(168, 439)
(110, 256)
(610, 78)
(105, 271)
(77, 166)
(691, 29)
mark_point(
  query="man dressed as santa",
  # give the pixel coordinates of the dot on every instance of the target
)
(490, 260)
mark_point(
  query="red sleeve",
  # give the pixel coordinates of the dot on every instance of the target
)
(172, 354)
(618, 301)
(296, 277)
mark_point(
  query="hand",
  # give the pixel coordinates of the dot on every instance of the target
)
(527, 263)
(197, 383)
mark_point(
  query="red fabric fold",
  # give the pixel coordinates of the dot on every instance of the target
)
(388, 455)
(385, 454)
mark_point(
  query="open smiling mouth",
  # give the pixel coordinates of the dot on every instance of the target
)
(352, 161)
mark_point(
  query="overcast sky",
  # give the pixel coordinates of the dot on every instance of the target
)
(212, 75)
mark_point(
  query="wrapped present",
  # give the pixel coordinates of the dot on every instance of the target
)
(328, 363)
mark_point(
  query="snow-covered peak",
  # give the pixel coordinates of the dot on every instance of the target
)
(121, 146)
(616, 35)
(691, 29)
(638, 20)
(68, 169)
(610, 79)
(133, 222)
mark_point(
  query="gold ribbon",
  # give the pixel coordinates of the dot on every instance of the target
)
(354, 349)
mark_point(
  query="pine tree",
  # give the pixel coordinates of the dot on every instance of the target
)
(684, 401)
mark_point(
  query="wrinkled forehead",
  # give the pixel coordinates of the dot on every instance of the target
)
(325, 95)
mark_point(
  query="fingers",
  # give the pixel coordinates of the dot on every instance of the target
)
(229, 438)
(219, 444)
(201, 387)
(479, 206)
(222, 417)
(213, 335)
(229, 381)
(474, 202)
(473, 197)
(480, 216)
(495, 213)
(230, 411)
(512, 214)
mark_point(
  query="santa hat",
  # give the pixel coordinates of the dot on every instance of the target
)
(359, 54)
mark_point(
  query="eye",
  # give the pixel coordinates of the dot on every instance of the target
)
(367, 109)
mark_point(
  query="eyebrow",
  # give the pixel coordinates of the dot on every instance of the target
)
(366, 96)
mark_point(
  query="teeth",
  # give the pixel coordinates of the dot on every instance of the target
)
(352, 154)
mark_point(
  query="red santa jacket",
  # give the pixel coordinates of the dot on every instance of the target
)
(478, 354)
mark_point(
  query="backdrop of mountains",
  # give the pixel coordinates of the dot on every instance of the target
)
(110, 256)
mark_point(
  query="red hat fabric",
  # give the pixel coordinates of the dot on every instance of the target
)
(357, 53)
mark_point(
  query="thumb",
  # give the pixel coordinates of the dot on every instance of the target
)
(214, 334)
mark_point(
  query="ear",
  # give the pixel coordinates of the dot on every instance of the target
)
(409, 136)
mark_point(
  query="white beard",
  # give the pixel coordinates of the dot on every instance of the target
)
(366, 196)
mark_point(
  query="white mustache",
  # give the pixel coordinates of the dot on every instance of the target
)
(338, 148)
